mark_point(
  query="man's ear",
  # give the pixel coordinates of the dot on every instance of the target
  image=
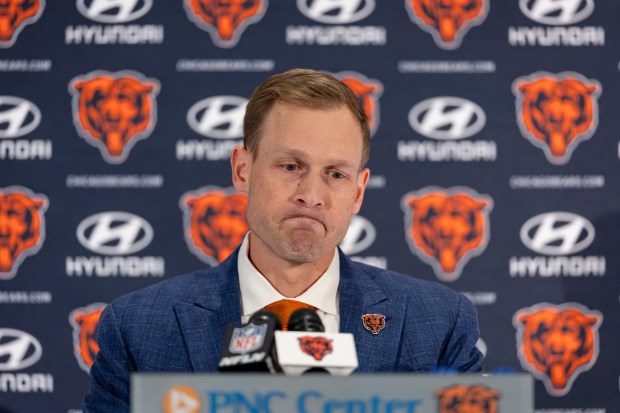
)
(362, 180)
(241, 164)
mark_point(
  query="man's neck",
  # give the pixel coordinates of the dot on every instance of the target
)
(288, 278)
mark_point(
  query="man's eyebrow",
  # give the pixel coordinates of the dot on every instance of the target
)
(293, 153)
(341, 164)
(299, 154)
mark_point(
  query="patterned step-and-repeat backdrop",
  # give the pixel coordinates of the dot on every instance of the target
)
(495, 161)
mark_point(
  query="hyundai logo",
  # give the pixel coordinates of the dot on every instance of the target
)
(114, 11)
(336, 11)
(557, 12)
(218, 117)
(18, 349)
(114, 233)
(360, 235)
(557, 233)
(447, 118)
(18, 117)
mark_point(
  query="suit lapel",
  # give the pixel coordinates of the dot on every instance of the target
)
(359, 295)
(205, 319)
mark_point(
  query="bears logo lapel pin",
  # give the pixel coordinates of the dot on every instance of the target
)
(373, 322)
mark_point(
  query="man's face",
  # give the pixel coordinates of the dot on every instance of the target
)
(304, 184)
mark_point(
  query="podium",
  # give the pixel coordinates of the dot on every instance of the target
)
(321, 393)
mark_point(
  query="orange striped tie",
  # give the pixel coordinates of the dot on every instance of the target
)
(284, 309)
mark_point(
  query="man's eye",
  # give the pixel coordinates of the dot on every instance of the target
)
(336, 175)
(291, 167)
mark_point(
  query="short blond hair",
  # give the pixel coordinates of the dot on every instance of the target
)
(305, 88)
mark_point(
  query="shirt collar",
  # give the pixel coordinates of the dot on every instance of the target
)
(257, 292)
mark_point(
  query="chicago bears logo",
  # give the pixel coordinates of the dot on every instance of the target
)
(447, 20)
(468, 399)
(225, 20)
(15, 15)
(214, 221)
(557, 112)
(373, 322)
(557, 342)
(317, 347)
(368, 92)
(112, 111)
(22, 227)
(84, 321)
(445, 228)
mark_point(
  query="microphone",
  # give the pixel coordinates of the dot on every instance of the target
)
(306, 348)
(305, 319)
(249, 347)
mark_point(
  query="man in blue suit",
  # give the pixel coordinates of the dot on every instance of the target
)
(303, 167)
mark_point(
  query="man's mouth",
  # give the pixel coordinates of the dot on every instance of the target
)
(306, 221)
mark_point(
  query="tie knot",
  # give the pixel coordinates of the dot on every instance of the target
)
(284, 309)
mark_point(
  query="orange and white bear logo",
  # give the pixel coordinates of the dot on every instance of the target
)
(113, 111)
(446, 227)
(15, 15)
(447, 20)
(556, 343)
(557, 112)
(317, 347)
(215, 222)
(373, 322)
(225, 20)
(468, 399)
(22, 227)
(368, 91)
(84, 321)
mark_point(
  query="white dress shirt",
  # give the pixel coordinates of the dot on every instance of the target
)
(257, 292)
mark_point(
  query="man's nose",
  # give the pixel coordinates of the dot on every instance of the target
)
(311, 190)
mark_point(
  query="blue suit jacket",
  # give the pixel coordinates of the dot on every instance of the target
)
(179, 325)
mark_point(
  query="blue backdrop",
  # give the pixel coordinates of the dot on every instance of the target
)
(495, 159)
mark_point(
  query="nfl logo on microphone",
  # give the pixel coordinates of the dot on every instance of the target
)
(248, 338)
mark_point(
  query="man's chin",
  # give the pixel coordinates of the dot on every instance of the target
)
(305, 240)
(304, 251)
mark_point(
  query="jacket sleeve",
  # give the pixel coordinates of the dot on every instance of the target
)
(109, 374)
(460, 352)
